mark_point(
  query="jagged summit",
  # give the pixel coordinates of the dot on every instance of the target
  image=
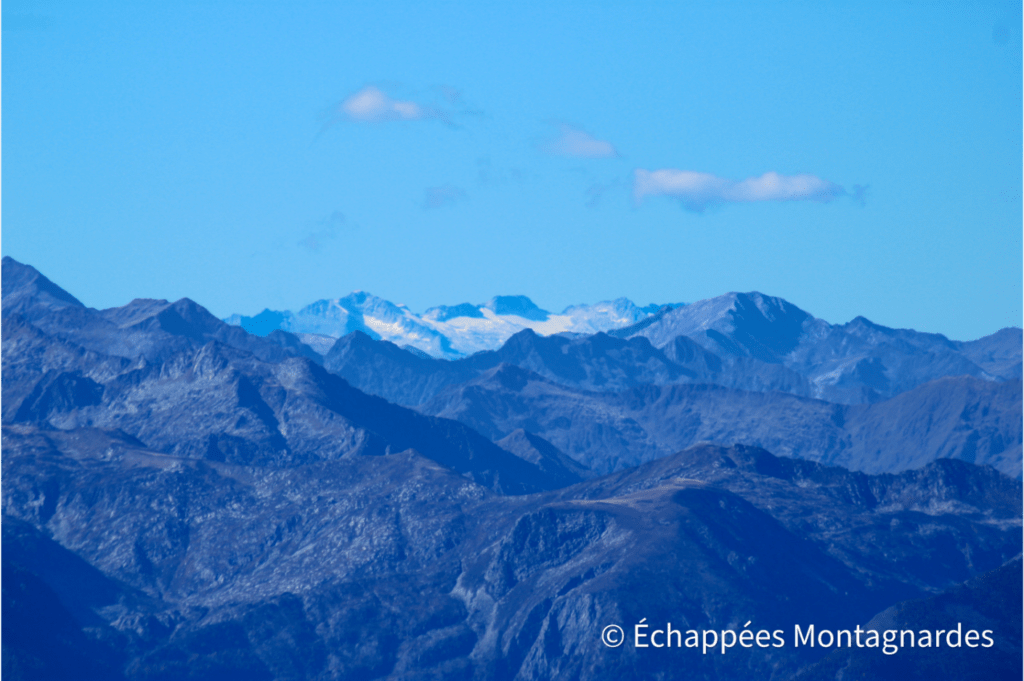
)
(23, 283)
(750, 324)
(443, 313)
(517, 306)
(147, 328)
(444, 331)
(859, 361)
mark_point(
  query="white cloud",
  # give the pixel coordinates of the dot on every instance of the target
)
(371, 104)
(697, 191)
(572, 142)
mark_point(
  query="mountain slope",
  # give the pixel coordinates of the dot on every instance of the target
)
(393, 567)
(596, 362)
(399, 376)
(998, 354)
(243, 411)
(855, 363)
(153, 329)
(989, 603)
(848, 363)
(970, 419)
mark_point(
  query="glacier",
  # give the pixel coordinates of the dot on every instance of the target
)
(445, 332)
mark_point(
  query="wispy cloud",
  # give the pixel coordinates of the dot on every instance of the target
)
(696, 191)
(573, 142)
(371, 104)
(323, 230)
(436, 197)
(375, 104)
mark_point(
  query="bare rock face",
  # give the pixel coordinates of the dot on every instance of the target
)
(385, 566)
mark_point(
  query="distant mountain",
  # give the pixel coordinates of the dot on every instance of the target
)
(744, 341)
(964, 418)
(357, 311)
(595, 362)
(740, 340)
(998, 354)
(148, 329)
(179, 381)
(605, 362)
(849, 363)
(446, 331)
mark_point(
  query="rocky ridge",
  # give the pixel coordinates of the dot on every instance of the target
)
(965, 418)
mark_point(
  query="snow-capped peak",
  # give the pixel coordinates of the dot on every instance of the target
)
(442, 331)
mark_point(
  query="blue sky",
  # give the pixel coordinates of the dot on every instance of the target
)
(855, 158)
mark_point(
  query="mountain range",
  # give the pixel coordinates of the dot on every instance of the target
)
(750, 340)
(849, 363)
(709, 371)
(131, 563)
(185, 500)
(446, 331)
(745, 341)
(956, 417)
